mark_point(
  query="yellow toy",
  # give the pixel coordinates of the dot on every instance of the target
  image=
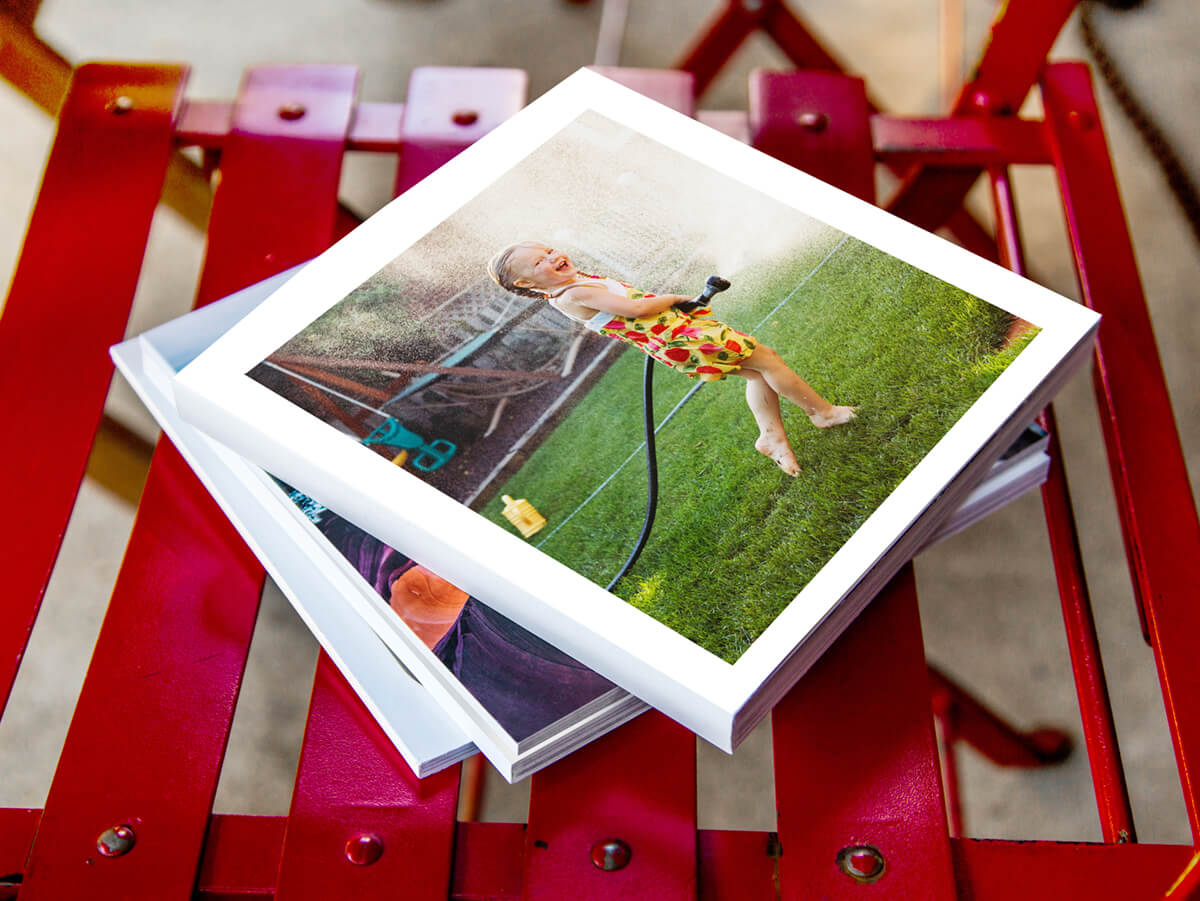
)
(522, 514)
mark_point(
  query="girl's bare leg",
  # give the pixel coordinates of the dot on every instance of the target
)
(780, 378)
(772, 439)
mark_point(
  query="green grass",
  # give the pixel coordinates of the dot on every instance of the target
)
(735, 539)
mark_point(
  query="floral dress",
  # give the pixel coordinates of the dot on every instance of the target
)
(694, 343)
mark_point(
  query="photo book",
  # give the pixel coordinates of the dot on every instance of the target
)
(299, 543)
(524, 715)
(292, 534)
(671, 408)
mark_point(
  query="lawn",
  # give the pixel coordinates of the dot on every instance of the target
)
(735, 539)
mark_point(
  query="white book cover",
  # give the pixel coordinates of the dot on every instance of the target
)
(323, 563)
(816, 422)
(340, 580)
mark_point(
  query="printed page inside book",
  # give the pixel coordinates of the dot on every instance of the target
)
(500, 359)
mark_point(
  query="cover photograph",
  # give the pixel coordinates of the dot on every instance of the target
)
(675, 408)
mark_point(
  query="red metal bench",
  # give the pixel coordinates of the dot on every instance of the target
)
(139, 767)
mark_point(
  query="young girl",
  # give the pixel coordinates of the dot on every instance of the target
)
(694, 343)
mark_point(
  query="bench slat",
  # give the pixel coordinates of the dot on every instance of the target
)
(145, 744)
(361, 824)
(69, 301)
(1150, 478)
(856, 762)
(638, 785)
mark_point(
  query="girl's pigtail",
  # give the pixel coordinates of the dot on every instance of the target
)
(497, 268)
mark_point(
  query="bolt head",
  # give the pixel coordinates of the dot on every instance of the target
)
(813, 121)
(290, 112)
(465, 117)
(122, 105)
(363, 850)
(611, 854)
(1080, 120)
(862, 863)
(116, 840)
(982, 101)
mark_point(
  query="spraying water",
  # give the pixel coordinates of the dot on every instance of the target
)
(619, 203)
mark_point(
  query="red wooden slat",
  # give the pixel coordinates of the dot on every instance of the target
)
(69, 300)
(449, 108)
(361, 823)
(818, 122)
(376, 127)
(239, 853)
(636, 786)
(835, 790)
(487, 861)
(203, 123)
(1154, 497)
(962, 141)
(742, 865)
(17, 827)
(1091, 688)
(288, 136)
(1052, 871)
(161, 688)
(1012, 59)
(144, 746)
(856, 762)
(899, 140)
(241, 856)
(206, 123)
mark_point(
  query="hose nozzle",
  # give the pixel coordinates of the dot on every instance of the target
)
(714, 285)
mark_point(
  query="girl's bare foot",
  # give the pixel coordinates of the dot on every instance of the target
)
(778, 449)
(833, 416)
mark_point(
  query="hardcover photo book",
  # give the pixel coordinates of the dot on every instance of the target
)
(669, 407)
(331, 573)
(523, 703)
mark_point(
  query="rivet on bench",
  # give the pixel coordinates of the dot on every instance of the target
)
(1080, 120)
(363, 850)
(465, 117)
(290, 112)
(116, 840)
(813, 121)
(122, 105)
(982, 101)
(610, 855)
(862, 863)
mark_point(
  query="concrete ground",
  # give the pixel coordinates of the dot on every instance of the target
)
(988, 597)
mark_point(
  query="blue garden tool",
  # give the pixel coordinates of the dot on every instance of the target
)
(426, 456)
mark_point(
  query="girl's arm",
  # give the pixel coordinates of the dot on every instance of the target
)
(595, 297)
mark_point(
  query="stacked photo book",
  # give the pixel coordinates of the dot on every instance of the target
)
(610, 412)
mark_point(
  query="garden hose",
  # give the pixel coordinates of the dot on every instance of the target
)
(714, 285)
(651, 471)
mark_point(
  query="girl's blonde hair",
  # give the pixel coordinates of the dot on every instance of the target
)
(498, 269)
